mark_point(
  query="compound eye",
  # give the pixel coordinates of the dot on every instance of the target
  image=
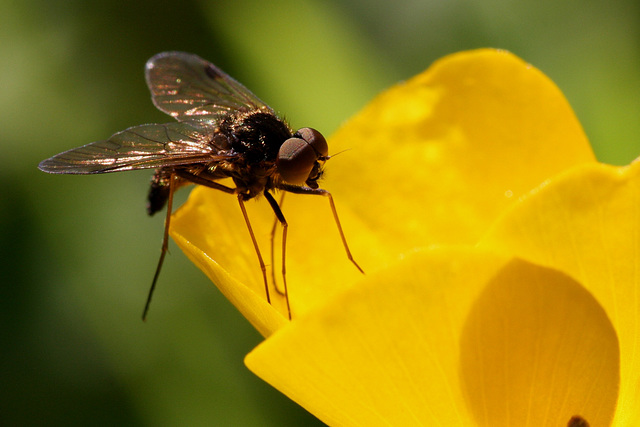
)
(315, 139)
(295, 160)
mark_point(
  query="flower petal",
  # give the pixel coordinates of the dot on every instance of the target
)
(417, 344)
(537, 349)
(587, 224)
(433, 160)
(210, 229)
(436, 159)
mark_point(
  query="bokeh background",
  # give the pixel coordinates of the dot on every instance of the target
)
(78, 253)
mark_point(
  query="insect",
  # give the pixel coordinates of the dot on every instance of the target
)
(222, 131)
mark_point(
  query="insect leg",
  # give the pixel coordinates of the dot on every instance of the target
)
(285, 227)
(273, 235)
(196, 179)
(344, 239)
(165, 244)
(255, 245)
(202, 180)
(320, 192)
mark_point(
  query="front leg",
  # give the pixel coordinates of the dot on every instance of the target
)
(301, 189)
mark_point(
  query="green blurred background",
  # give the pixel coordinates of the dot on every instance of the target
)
(77, 253)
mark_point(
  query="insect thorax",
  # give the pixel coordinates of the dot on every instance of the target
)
(255, 135)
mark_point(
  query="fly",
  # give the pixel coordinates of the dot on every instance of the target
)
(222, 131)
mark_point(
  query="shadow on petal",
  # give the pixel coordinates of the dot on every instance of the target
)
(586, 223)
(538, 349)
(444, 337)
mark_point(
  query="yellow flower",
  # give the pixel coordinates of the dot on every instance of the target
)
(502, 261)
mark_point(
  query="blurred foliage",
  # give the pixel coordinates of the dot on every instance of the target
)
(78, 252)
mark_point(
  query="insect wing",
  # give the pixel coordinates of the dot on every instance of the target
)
(187, 87)
(139, 147)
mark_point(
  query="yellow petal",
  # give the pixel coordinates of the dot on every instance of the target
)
(450, 337)
(435, 159)
(432, 160)
(587, 224)
(210, 229)
(537, 349)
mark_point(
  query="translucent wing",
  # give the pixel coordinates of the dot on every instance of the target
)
(140, 147)
(189, 88)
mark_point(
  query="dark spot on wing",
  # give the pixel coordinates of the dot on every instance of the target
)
(212, 72)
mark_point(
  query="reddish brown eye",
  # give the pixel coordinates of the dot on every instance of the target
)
(315, 139)
(295, 160)
(298, 155)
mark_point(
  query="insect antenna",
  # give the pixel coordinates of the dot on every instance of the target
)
(339, 152)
